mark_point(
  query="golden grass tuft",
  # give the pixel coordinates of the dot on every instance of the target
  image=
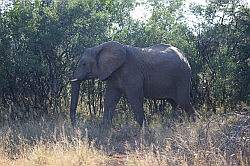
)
(60, 153)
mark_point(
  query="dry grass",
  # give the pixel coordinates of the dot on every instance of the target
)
(57, 154)
(217, 142)
(18, 150)
(222, 140)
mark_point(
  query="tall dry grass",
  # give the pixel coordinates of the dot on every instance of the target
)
(221, 140)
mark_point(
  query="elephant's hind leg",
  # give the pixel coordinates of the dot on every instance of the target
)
(135, 99)
(189, 110)
(183, 99)
(176, 113)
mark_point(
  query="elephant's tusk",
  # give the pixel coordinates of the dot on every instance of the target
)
(74, 80)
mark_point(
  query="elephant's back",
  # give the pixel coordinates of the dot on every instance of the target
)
(170, 60)
(165, 55)
(159, 47)
(178, 55)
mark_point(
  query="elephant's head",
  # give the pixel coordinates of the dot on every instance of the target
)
(96, 62)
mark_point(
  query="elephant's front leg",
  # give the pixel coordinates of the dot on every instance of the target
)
(111, 98)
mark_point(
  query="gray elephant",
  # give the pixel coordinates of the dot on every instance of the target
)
(157, 72)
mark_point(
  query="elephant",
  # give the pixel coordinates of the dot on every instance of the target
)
(157, 72)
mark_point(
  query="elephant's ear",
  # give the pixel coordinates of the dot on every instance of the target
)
(111, 56)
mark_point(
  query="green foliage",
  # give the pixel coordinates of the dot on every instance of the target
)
(222, 43)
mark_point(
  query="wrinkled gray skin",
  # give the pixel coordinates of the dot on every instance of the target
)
(157, 72)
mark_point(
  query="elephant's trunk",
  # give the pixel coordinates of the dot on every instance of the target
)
(75, 87)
